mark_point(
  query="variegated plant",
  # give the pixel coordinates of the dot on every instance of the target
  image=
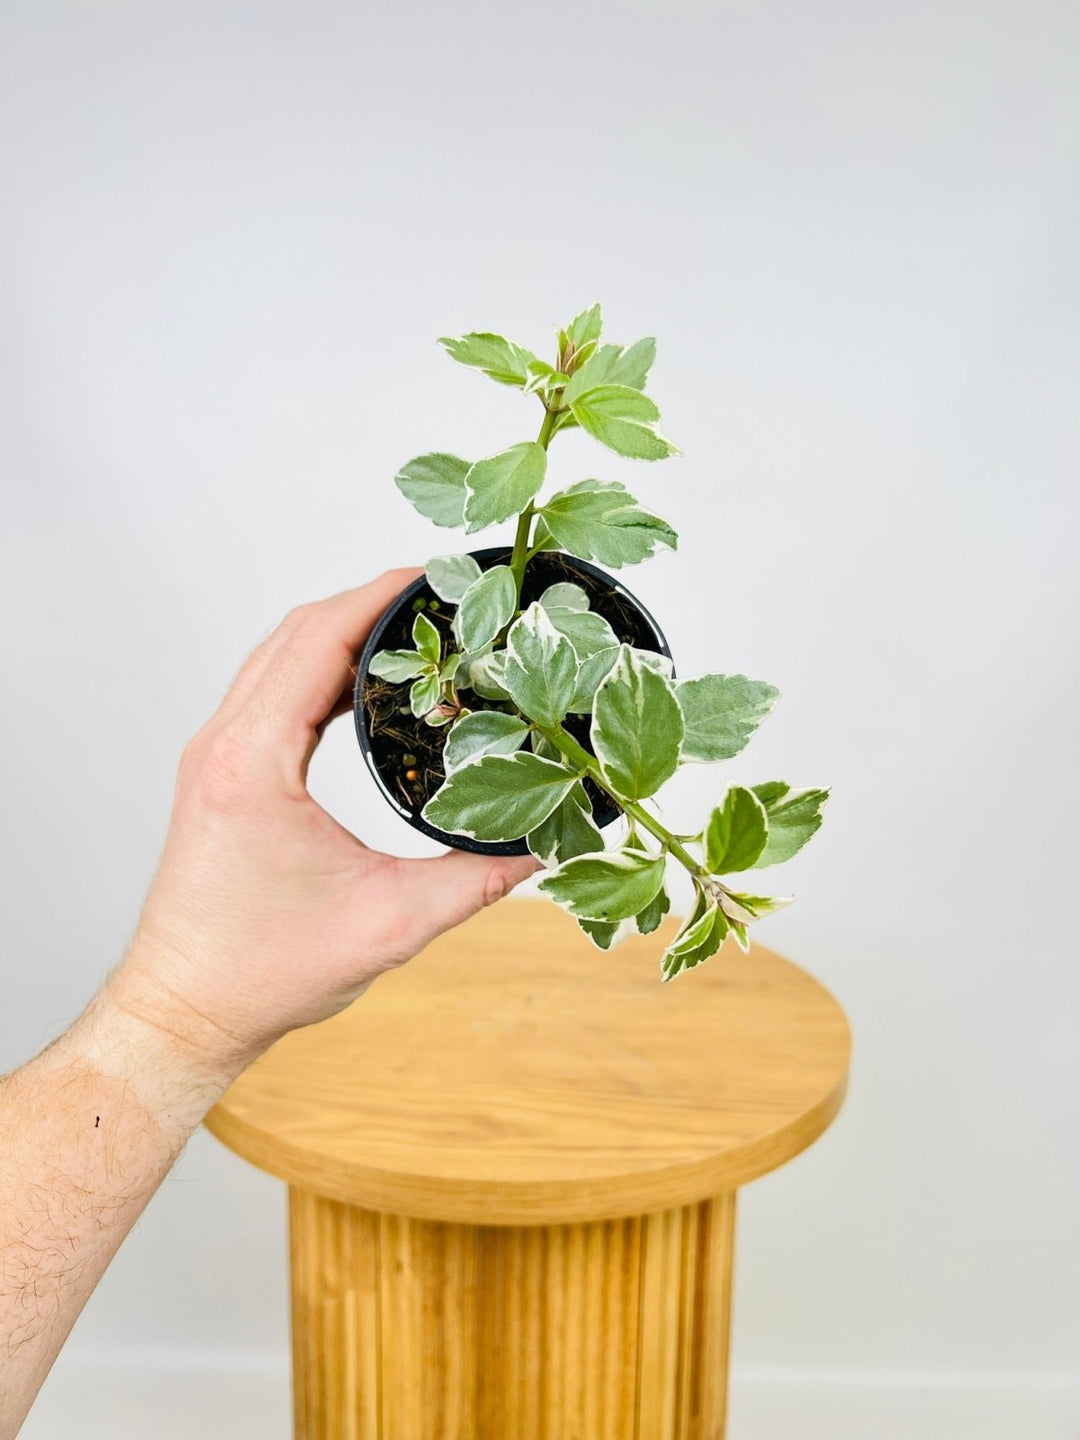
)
(505, 680)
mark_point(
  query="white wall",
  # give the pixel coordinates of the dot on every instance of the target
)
(231, 233)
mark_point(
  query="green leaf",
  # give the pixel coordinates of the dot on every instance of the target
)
(596, 646)
(587, 631)
(736, 832)
(427, 639)
(450, 666)
(568, 831)
(397, 665)
(794, 816)
(543, 746)
(612, 365)
(741, 934)
(624, 420)
(451, 575)
(493, 355)
(541, 667)
(500, 797)
(424, 694)
(648, 919)
(543, 378)
(485, 674)
(748, 908)
(601, 520)
(585, 327)
(542, 536)
(485, 608)
(435, 485)
(482, 732)
(721, 713)
(637, 727)
(591, 673)
(564, 596)
(701, 935)
(605, 937)
(610, 887)
(503, 484)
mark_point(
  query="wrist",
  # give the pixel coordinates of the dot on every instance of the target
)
(172, 1060)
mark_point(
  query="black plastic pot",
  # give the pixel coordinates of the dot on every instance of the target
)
(623, 611)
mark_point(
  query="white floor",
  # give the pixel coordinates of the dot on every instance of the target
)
(237, 1398)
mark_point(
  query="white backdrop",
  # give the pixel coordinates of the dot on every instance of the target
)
(231, 233)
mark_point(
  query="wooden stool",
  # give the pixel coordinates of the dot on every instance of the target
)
(512, 1170)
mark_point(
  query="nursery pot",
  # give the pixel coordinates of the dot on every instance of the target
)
(404, 754)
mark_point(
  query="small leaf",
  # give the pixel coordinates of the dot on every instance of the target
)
(742, 910)
(721, 713)
(637, 727)
(794, 817)
(493, 355)
(606, 937)
(591, 673)
(587, 631)
(450, 666)
(585, 327)
(435, 485)
(611, 365)
(542, 536)
(735, 913)
(483, 732)
(601, 520)
(736, 832)
(427, 639)
(543, 746)
(542, 378)
(500, 797)
(610, 887)
(485, 608)
(451, 575)
(564, 596)
(397, 665)
(701, 935)
(541, 667)
(648, 919)
(568, 831)
(502, 485)
(424, 694)
(624, 420)
(485, 674)
(748, 908)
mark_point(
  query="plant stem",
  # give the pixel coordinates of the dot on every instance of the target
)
(520, 557)
(580, 756)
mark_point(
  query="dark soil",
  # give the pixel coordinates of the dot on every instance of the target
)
(407, 752)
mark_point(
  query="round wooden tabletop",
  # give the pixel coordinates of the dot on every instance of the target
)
(513, 1075)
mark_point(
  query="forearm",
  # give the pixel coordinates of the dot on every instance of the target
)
(88, 1130)
(265, 914)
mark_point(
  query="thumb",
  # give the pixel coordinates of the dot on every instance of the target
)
(458, 884)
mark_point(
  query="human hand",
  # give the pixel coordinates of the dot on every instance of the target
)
(266, 913)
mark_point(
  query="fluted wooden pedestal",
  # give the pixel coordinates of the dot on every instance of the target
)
(421, 1330)
(512, 1172)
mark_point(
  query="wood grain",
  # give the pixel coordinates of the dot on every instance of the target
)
(515, 1075)
(408, 1329)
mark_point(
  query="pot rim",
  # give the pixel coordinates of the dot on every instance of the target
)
(485, 557)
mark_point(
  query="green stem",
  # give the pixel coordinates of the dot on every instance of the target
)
(577, 753)
(520, 557)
